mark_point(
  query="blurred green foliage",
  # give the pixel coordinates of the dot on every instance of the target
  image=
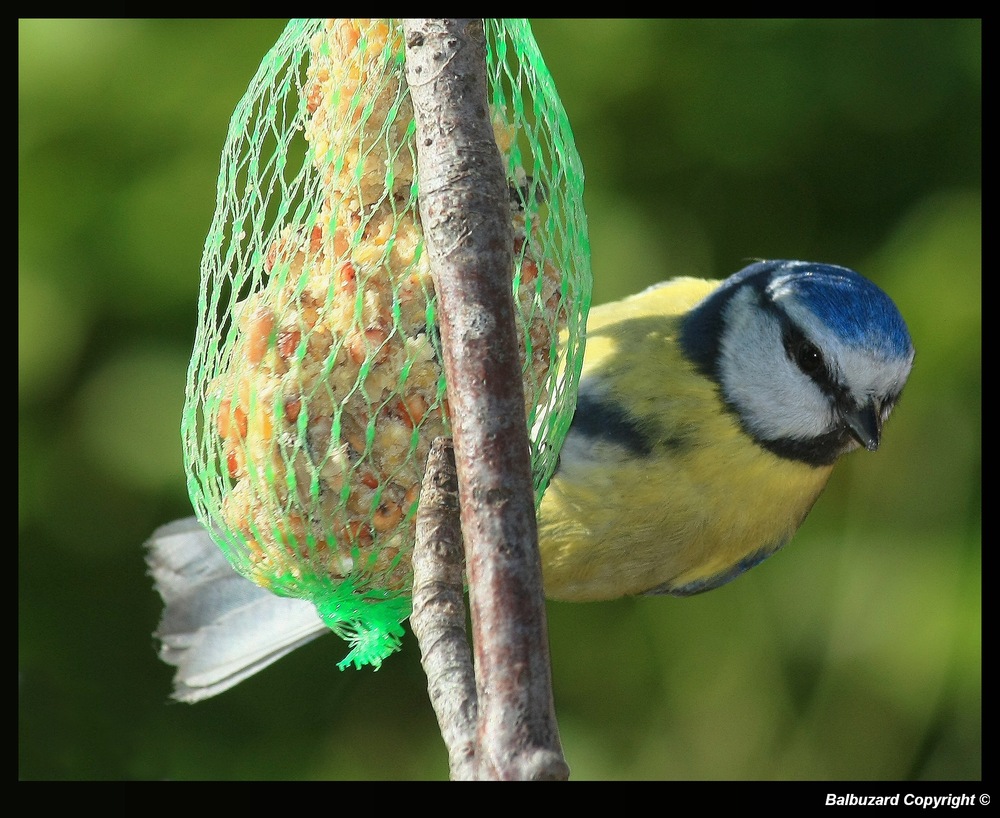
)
(854, 654)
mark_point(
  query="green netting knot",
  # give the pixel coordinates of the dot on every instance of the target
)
(369, 621)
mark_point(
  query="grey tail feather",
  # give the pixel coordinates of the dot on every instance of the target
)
(218, 628)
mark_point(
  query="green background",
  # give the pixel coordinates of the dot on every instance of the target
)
(853, 654)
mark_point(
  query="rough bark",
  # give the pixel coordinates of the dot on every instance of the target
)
(464, 211)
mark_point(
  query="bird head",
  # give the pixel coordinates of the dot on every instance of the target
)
(810, 357)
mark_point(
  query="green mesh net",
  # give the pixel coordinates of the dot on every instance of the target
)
(315, 387)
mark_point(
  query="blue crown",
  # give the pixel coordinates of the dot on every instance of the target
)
(852, 306)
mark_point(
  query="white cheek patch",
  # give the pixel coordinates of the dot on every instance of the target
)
(774, 398)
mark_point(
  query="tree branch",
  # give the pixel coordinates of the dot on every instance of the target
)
(438, 617)
(464, 211)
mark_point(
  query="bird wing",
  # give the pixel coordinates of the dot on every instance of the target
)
(218, 628)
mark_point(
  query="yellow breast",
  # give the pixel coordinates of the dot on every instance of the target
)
(705, 500)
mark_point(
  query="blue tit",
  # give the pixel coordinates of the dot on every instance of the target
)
(709, 419)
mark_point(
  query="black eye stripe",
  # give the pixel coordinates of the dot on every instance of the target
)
(804, 353)
(808, 358)
(800, 350)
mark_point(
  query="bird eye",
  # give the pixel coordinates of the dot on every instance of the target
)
(807, 356)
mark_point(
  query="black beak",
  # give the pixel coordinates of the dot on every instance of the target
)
(864, 424)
